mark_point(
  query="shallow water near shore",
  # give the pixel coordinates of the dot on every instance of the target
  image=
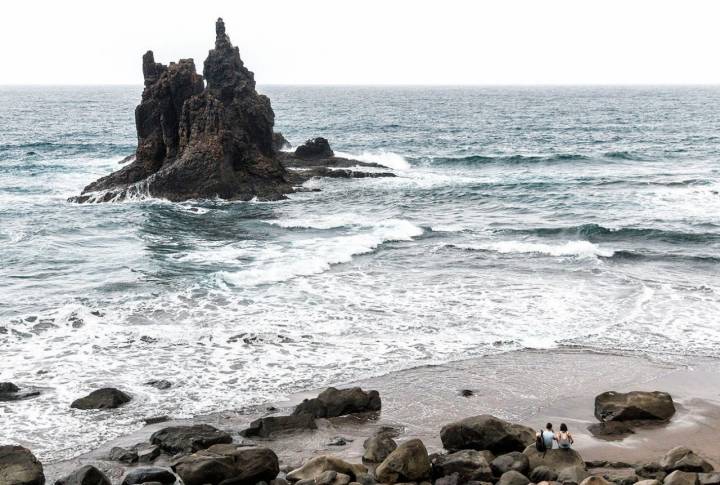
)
(521, 218)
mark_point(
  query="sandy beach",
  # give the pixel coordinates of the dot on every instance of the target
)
(527, 387)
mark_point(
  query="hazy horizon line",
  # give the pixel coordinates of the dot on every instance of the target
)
(519, 85)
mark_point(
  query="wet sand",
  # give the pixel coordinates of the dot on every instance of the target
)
(529, 387)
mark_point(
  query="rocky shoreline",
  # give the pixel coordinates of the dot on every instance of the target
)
(341, 430)
(478, 450)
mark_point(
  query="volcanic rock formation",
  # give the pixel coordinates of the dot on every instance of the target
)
(203, 141)
(197, 141)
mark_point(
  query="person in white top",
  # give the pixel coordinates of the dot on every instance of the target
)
(564, 438)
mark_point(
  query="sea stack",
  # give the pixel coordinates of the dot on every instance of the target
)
(197, 140)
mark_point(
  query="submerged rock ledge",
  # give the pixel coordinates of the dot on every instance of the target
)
(216, 140)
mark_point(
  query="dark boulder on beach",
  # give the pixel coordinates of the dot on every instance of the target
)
(149, 474)
(568, 464)
(314, 148)
(486, 432)
(467, 464)
(229, 464)
(337, 402)
(513, 477)
(633, 406)
(11, 392)
(514, 460)
(611, 430)
(105, 398)
(196, 141)
(409, 462)
(265, 427)
(123, 455)
(684, 459)
(18, 466)
(188, 439)
(378, 447)
(679, 477)
(86, 475)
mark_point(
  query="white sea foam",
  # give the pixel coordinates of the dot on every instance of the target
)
(324, 221)
(382, 157)
(306, 257)
(582, 249)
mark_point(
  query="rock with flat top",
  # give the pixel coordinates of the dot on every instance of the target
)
(188, 439)
(334, 402)
(271, 425)
(137, 476)
(486, 432)
(105, 398)
(228, 464)
(633, 406)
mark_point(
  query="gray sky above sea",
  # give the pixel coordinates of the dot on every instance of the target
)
(370, 41)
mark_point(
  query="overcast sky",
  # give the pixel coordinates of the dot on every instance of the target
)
(370, 41)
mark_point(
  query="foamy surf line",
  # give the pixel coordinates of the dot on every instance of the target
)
(580, 249)
(387, 159)
(316, 255)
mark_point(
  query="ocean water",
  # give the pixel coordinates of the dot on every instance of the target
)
(542, 218)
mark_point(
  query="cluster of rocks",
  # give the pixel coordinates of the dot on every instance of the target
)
(621, 413)
(198, 140)
(480, 450)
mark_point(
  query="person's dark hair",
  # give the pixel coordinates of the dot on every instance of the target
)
(563, 427)
(548, 426)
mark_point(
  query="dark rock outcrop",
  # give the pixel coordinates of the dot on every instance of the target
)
(314, 148)
(11, 392)
(229, 464)
(633, 406)
(18, 466)
(514, 460)
(611, 430)
(86, 475)
(378, 447)
(196, 141)
(684, 459)
(280, 142)
(408, 463)
(149, 474)
(486, 432)
(513, 477)
(568, 464)
(469, 465)
(105, 398)
(270, 425)
(337, 402)
(188, 439)
(123, 455)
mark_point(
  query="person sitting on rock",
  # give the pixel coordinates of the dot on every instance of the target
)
(548, 436)
(564, 438)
